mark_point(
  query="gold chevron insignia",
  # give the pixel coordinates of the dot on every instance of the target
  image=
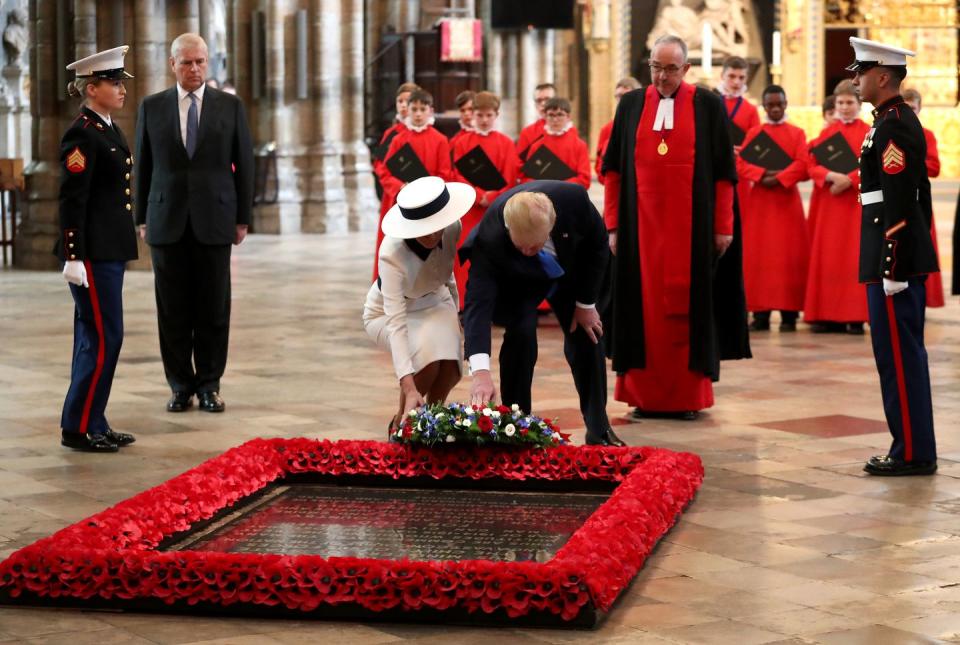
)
(76, 161)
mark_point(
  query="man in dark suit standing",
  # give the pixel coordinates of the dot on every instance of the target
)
(194, 176)
(543, 239)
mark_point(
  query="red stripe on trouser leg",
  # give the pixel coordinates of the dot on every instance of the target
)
(901, 381)
(98, 323)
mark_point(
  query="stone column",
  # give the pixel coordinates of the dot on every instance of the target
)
(39, 225)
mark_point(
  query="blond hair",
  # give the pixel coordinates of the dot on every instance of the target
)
(846, 88)
(486, 101)
(77, 88)
(529, 214)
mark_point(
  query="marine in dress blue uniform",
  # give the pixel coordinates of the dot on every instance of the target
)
(896, 255)
(97, 239)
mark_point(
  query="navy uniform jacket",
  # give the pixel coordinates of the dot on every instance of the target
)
(895, 240)
(501, 275)
(213, 190)
(96, 210)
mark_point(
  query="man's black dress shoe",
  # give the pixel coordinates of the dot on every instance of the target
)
(685, 415)
(886, 466)
(856, 329)
(211, 402)
(760, 325)
(87, 442)
(610, 439)
(120, 438)
(180, 402)
(788, 326)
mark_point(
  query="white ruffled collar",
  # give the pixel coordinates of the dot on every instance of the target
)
(555, 133)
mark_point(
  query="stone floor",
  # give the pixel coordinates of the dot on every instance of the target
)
(787, 541)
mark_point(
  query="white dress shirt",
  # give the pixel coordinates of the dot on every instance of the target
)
(183, 102)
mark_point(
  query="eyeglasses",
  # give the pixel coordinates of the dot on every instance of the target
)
(669, 70)
(541, 100)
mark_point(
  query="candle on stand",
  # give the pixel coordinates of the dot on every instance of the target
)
(706, 48)
(776, 48)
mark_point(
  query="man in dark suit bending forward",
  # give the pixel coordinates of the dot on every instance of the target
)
(543, 239)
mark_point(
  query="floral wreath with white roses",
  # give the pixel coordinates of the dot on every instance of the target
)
(441, 423)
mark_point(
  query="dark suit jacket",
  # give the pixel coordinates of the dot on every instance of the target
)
(501, 276)
(213, 190)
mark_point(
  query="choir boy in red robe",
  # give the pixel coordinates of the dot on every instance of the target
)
(835, 300)
(500, 150)
(562, 139)
(431, 147)
(743, 113)
(774, 231)
(534, 132)
(828, 110)
(464, 103)
(401, 102)
(934, 282)
(624, 85)
(678, 304)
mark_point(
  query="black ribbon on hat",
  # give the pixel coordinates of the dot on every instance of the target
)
(421, 212)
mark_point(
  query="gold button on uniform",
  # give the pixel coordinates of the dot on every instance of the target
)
(127, 191)
(129, 207)
(886, 273)
(71, 245)
(876, 220)
(127, 176)
(129, 161)
(889, 246)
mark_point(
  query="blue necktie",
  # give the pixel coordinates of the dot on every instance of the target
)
(193, 123)
(552, 268)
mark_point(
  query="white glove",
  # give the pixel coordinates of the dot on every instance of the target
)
(75, 273)
(891, 287)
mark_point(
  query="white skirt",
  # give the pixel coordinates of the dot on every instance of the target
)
(433, 333)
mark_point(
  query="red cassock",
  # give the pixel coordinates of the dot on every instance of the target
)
(664, 231)
(501, 151)
(603, 139)
(775, 247)
(398, 127)
(432, 148)
(834, 293)
(744, 115)
(528, 135)
(571, 150)
(934, 280)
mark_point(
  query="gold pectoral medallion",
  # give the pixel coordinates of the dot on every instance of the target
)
(662, 149)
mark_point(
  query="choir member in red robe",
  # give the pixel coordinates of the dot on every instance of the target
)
(562, 139)
(743, 113)
(828, 110)
(775, 247)
(678, 305)
(934, 282)
(501, 151)
(624, 85)
(534, 132)
(465, 106)
(430, 146)
(835, 300)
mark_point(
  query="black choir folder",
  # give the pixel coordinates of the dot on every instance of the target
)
(736, 133)
(380, 151)
(763, 151)
(476, 167)
(405, 165)
(834, 153)
(543, 164)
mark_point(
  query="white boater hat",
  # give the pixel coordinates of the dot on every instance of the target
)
(427, 205)
(107, 64)
(869, 54)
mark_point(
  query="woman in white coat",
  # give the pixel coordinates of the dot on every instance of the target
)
(411, 310)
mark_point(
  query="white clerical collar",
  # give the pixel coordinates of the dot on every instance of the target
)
(182, 93)
(847, 121)
(482, 133)
(414, 128)
(558, 133)
(467, 128)
(780, 122)
(104, 117)
(664, 118)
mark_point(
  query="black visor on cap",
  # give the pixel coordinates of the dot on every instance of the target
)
(861, 65)
(117, 74)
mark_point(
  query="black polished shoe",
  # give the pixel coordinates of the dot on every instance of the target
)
(856, 329)
(88, 442)
(120, 438)
(788, 326)
(760, 325)
(211, 402)
(180, 402)
(885, 466)
(609, 439)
